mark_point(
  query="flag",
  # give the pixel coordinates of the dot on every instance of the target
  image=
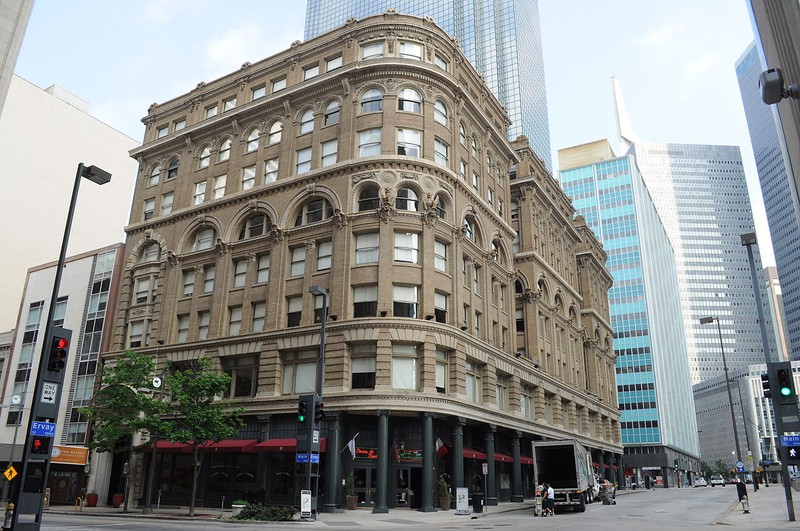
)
(441, 449)
(352, 446)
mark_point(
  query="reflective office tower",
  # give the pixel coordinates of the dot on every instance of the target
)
(700, 194)
(777, 313)
(780, 195)
(653, 389)
(501, 38)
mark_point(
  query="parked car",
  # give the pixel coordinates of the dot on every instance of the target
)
(717, 479)
(700, 481)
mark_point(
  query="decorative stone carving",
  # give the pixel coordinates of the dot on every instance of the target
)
(172, 258)
(222, 247)
(358, 177)
(339, 219)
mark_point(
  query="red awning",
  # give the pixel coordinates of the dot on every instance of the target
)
(525, 460)
(503, 458)
(285, 445)
(230, 445)
(167, 446)
(469, 453)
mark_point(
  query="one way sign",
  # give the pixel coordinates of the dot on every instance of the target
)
(794, 453)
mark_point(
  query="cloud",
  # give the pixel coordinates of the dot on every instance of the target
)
(161, 11)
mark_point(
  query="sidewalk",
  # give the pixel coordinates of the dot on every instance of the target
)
(768, 508)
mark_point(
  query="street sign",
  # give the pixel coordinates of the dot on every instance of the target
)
(10, 473)
(305, 503)
(790, 440)
(485, 468)
(303, 458)
(739, 466)
(43, 429)
(49, 392)
(794, 452)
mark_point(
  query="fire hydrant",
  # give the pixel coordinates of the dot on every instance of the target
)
(9, 516)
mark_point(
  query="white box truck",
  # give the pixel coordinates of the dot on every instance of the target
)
(567, 466)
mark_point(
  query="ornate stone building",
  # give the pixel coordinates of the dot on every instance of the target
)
(372, 161)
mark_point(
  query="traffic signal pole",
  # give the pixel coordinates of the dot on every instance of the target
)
(784, 407)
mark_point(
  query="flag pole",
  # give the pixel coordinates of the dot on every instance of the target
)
(348, 442)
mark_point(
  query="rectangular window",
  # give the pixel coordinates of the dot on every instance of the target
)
(405, 366)
(410, 50)
(298, 261)
(136, 333)
(362, 365)
(409, 142)
(203, 321)
(199, 193)
(440, 307)
(440, 256)
(329, 149)
(262, 273)
(476, 279)
(365, 301)
(333, 63)
(373, 50)
(239, 272)
(490, 197)
(294, 311)
(475, 180)
(324, 252)
(501, 392)
(278, 84)
(259, 316)
(183, 328)
(149, 208)
(441, 62)
(258, 92)
(299, 372)
(248, 177)
(462, 170)
(464, 270)
(211, 111)
(166, 203)
(406, 247)
(188, 282)
(310, 72)
(405, 301)
(142, 290)
(520, 318)
(242, 371)
(442, 371)
(219, 186)
(209, 272)
(229, 104)
(235, 320)
(367, 248)
(369, 143)
(473, 383)
(162, 131)
(303, 160)
(440, 152)
(177, 125)
(271, 170)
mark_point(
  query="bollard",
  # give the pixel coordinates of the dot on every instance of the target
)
(79, 504)
(9, 516)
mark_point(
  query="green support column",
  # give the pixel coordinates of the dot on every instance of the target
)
(427, 463)
(383, 463)
(516, 470)
(458, 453)
(333, 464)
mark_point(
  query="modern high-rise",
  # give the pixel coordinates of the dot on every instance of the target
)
(777, 313)
(773, 162)
(14, 16)
(701, 196)
(325, 167)
(501, 38)
(652, 368)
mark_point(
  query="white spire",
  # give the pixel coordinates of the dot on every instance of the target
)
(626, 135)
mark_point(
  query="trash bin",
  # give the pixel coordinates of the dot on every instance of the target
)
(477, 502)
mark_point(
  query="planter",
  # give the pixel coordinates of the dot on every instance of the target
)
(352, 502)
(237, 509)
(117, 499)
(91, 499)
(444, 502)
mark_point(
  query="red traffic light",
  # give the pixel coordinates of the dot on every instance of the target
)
(58, 353)
(60, 343)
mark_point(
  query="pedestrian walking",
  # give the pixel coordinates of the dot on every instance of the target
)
(741, 491)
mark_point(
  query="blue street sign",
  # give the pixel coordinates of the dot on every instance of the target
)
(43, 429)
(790, 440)
(303, 458)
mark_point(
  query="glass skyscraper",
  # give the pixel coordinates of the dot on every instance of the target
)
(501, 38)
(780, 195)
(652, 369)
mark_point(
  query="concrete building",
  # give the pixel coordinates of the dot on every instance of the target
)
(701, 196)
(501, 38)
(652, 367)
(39, 184)
(85, 300)
(372, 161)
(14, 16)
(776, 312)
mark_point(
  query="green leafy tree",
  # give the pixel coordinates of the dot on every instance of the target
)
(199, 415)
(721, 468)
(705, 469)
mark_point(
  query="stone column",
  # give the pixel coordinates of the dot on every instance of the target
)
(333, 464)
(516, 470)
(620, 472)
(383, 462)
(491, 490)
(427, 463)
(458, 452)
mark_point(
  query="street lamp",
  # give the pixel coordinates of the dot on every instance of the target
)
(158, 383)
(97, 176)
(707, 320)
(749, 240)
(319, 291)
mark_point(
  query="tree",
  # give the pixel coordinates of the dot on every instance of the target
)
(721, 468)
(199, 416)
(119, 409)
(705, 469)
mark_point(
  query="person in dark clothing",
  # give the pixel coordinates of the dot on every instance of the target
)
(741, 491)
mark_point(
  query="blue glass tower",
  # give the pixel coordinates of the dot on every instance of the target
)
(652, 368)
(501, 38)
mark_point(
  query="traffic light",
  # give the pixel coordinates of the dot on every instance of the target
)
(58, 353)
(40, 445)
(302, 413)
(765, 386)
(319, 413)
(785, 383)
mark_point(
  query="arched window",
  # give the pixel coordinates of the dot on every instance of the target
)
(441, 211)
(151, 253)
(372, 101)
(406, 200)
(440, 112)
(252, 141)
(368, 199)
(474, 148)
(409, 100)
(225, 150)
(314, 211)
(307, 122)
(469, 230)
(205, 158)
(275, 133)
(255, 226)
(172, 168)
(155, 175)
(332, 113)
(462, 134)
(203, 239)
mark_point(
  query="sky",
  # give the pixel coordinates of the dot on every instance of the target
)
(674, 60)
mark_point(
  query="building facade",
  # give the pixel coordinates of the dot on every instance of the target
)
(776, 312)
(14, 16)
(501, 38)
(85, 300)
(364, 161)
(774, 166)
(652, 368)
